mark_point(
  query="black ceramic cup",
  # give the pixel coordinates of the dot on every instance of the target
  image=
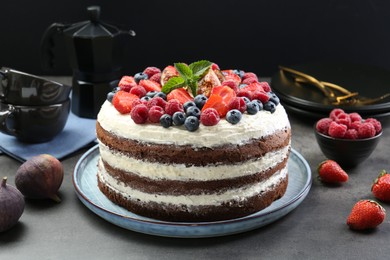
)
(24, 89)
(33, 124)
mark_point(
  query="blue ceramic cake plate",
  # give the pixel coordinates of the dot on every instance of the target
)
(85, 182)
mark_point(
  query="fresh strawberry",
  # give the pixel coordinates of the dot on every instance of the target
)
(381, 186)
(126, 83)
(253, 87)
(219, 99)
(233, 76)
(167, 73)
(180, 94)
(366, 214)
(331, 172)
(123, 101)
(150, 85)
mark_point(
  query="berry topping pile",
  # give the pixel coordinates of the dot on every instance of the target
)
(190, 95)
(348, 126)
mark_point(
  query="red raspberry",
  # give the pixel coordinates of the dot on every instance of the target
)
(126, 83)
(323, 124)
(157, 101)
(261, 95)
(250, 75)
(265, 86)
(375, 123)
(156, 77)
(139, 114)
(209, 117)
(355, 125)
(155, 113)
(355, 117)
(244, 93)
(343, 118)
(249, 80)
(366, 130)
(138, 91)
(173, 106)
(150, 71)
(237, 103)
(231, 84)
(138, 102)
(337, 130)
(351, 134)
(335, 112)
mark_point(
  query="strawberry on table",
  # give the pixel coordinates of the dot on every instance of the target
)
(366, 214)
(331, 172)
(381, 186)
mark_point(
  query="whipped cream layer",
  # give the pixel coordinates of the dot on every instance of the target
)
(250, 127)
(181, 172)
(239, 194)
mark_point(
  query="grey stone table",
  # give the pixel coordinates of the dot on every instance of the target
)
(316, 229)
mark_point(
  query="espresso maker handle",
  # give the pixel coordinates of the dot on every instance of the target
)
(5, 112)
(47, 45)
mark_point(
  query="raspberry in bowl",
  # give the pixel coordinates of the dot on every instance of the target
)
(346, 137)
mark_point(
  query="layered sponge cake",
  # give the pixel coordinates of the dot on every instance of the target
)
(216, 152)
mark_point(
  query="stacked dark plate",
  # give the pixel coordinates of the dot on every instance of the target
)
(309, 102)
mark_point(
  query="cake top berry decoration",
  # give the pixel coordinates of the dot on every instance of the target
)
(186, 96)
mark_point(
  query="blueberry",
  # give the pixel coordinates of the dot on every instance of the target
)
(166, 120)
(110, 95)
(270, 106)
(200, 100)
(242, 85)
(191, 123)
(188, 104)
(178, 118)
(193, 111)
(151, 94)
(261, 106)
(252, 107)
(139, 76)
(239, 73)
(161, 95)
(274, 98)
(233, 116)
(146, 98)
(247, 100)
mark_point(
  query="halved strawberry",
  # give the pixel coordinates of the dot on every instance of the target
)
(253, 87)
(123, 101)
(233, 76)
(219, 99)
(180, 94)
(150, 85)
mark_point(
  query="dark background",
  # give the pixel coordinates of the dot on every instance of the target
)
(254, 35)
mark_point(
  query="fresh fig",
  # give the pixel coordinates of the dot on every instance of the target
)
(40, 177)
(11, 205)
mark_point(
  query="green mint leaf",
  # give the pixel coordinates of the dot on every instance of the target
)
(184, 71)
(200, 67)
(193, 84)
(173, 83)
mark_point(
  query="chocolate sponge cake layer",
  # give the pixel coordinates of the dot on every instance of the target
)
(177, 187)
(171, 154)
(176, 212)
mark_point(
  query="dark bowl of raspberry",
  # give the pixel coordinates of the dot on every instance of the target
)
(347, 152)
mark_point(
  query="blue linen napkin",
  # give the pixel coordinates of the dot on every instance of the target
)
(77, 133)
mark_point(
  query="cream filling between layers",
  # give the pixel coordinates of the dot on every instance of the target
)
(239, 194)
(250, 127)
(181, 172)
